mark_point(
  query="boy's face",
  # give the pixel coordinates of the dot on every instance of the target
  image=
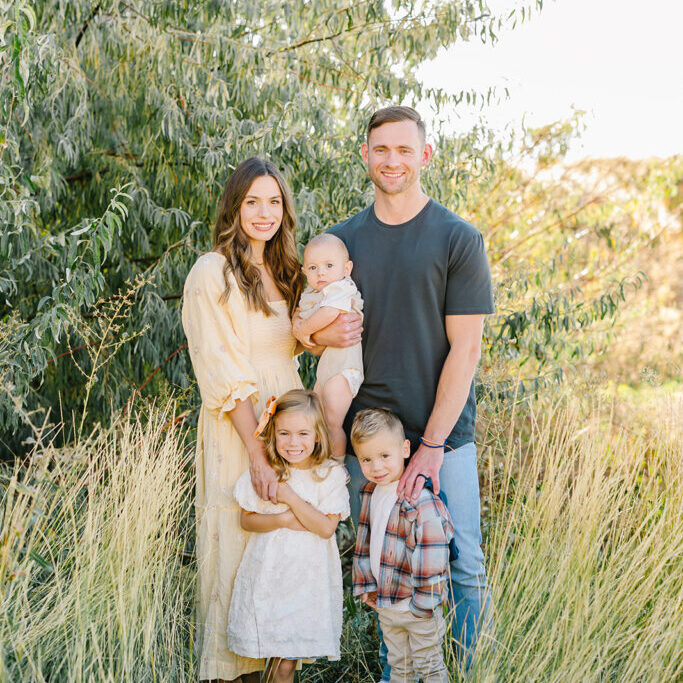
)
(382, 457)
(324, 263)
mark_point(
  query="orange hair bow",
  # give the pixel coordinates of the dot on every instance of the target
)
(271, 405)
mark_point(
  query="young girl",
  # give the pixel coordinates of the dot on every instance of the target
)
(287, 596)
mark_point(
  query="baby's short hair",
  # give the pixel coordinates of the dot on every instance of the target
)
(329, 240)
(371, 421)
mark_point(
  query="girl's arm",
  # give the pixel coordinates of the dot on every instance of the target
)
(261, 522)
(315, 521)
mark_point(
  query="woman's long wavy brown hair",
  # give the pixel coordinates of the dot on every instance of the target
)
(299, 400)
(280, 253)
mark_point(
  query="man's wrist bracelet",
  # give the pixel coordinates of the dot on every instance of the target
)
(431, 444)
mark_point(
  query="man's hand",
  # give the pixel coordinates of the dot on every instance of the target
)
(425, 462)
(346, 330)
(369, 599)
(263, 477)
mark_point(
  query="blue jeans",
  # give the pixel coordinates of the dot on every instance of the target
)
(469, 596)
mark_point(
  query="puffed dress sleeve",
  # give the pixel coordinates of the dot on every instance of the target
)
(334, 496)
(247, 498)
(217, 335)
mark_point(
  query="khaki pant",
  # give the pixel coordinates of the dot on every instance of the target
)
(414, 645)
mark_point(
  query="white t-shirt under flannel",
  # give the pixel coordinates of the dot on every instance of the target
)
(382, 502)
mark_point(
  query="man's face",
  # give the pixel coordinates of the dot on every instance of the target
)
(395, 153)
(382, 456)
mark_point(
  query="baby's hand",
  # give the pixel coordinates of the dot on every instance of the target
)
(370, 599)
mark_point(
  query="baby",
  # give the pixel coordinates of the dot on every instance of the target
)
(330, 291)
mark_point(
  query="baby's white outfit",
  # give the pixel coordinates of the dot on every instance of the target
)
(288, 592)
(344, 295)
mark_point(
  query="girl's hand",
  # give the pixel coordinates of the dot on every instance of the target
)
(263, 477)
(291, 522)
(370, 599)
(284, 493)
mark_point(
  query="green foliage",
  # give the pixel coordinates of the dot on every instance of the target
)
(119, 124)
(569, 244)
(158, 102)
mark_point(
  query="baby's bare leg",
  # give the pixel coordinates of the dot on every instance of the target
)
(336, 398)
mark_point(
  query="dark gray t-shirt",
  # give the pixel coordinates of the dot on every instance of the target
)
(411, 276)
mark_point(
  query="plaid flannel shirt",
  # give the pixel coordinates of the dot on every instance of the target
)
(414, 561)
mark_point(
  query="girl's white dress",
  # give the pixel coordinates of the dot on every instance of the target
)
(287, 596)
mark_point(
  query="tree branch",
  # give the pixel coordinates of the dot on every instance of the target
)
(84, 28)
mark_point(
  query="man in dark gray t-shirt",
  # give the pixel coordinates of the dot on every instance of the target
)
(426, 287)
(412, 276)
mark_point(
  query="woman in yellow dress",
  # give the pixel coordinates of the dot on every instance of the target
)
(237, 308)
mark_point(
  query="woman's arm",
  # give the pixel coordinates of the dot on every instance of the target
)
(315, 521)
(263, 476)
(260, 522)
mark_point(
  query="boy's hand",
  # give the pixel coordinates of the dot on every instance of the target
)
(369, 599)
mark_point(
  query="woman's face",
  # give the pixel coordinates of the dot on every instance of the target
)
(261, 209)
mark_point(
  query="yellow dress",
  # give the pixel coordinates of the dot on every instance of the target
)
(236, 354)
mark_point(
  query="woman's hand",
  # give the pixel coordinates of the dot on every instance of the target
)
(263, 477)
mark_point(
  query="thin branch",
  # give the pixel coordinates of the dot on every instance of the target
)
(84, 28)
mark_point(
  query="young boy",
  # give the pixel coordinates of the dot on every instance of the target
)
(401, 562)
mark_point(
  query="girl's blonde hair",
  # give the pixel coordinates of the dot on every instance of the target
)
(298, 400)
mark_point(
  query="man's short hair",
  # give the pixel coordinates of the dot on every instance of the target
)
(371, 421)
(393, 115)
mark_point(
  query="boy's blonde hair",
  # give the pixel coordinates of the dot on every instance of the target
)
(371, 421)
(297, 400)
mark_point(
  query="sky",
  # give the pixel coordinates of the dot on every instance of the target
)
(619, 60)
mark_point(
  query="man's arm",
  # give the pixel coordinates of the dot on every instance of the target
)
(464, 335)
(344, 331)
(316, 322)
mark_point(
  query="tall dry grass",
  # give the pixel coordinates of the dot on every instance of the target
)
(585, 547)
(91, 571)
